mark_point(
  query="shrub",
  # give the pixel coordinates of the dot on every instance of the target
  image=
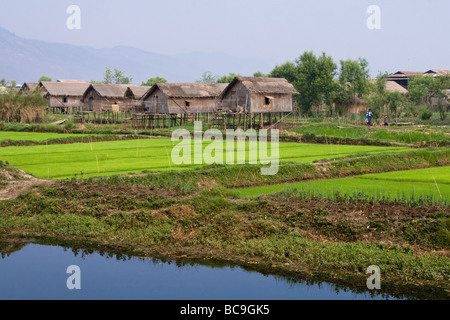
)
(425, 113)
(20, 107)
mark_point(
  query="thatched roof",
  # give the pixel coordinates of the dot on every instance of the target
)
(30, 85)
(261, 85)
(136, 92)
(392, 86)
(188, 90)
(439, 72)
(109, 90)
(404, 74)
(72, 81)
(64, 89)
(395, 87)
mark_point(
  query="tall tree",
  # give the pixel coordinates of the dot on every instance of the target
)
(440, 85)
(115, 77)
(288, 70)
(377, 98)
(315, 80)
(353, 81)
(207, 77)
(119, 77)
(152, 81)
(228, 78)
(420, 89)
(261, 75)
(108, 78)
(44, 78)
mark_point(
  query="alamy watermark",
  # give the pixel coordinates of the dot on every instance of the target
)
(374, 281)
(73, 22)
(74, 280)
(374, 20)
(236, 147)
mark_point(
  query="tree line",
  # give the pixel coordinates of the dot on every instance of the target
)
(325, 85)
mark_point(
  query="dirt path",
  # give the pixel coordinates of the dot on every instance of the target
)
(18, 182)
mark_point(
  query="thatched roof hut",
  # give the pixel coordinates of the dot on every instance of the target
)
(437, 73)
(103, 97)
(136, 92)
(29, 87)
(258, 95)
(176, 98)
(60, 89)
(402, 77)
(395, 87)
(63, 95)
(392, 86)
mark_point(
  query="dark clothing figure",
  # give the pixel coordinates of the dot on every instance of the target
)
(369, 116)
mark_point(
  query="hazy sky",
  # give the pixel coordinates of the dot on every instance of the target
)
(414, 34)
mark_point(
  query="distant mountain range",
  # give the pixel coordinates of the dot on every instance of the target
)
(27, 60)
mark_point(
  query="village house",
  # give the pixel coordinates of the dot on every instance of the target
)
(63, 97)
(107, 97)
(182, 98)
(438, 73)
(28, 87)
(257, 95)
(402, 77)
(136, 94)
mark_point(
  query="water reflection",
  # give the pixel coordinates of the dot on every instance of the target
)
(31, 269)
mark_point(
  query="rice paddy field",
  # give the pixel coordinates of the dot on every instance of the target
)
(35, 136)
(330, 210)
(431, 183)
(62, 161)
(401, 135)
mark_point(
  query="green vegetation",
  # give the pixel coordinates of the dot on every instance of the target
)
(44, 78)
(400, 135)
(123, 157)
(330, 212)
(278, 233)
(152, 81)
(32, 136)
(385, 186)
(18, 107)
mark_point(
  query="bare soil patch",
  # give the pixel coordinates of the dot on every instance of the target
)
(16, 182)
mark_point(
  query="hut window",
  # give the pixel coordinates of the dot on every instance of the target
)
(188, 104)
(65, 99)
(267, 100)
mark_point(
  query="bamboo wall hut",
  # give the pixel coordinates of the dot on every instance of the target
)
(63, 97)
(257, 95)
(28, 87)
(135, 94)
(182, 98)
(107, 97)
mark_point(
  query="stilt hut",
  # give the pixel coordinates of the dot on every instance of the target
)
(63, 97)
(28, 87)
(257, 95)
(107, 97)
(182, 98)
(135, 95)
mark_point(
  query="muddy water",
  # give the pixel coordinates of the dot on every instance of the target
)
(34, 271)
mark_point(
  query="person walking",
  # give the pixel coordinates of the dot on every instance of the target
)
(369, 116)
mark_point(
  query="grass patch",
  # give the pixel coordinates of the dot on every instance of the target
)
(123, 157)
